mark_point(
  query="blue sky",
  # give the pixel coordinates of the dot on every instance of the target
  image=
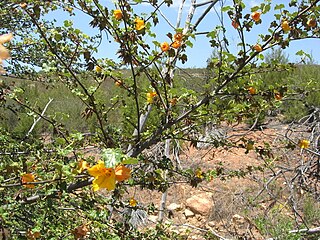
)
(201, 50)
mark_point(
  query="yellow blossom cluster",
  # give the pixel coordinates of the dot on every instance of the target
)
(139, 23)
(177, 42)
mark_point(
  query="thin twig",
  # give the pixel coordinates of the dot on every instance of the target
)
(39, 118)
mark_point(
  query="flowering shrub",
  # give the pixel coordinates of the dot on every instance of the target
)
(51, 185)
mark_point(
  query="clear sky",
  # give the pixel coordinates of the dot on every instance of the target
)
(201, 50)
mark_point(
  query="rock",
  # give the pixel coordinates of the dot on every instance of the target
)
(153, 219)
(200, 204)
(211, 224)
(174, 207)
(188, 213)
(237, 219)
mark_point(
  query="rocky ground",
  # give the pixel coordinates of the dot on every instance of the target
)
(222, 206)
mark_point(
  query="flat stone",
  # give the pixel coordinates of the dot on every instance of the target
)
(200, 204)
(153, 218)
(174, 207)
(188, 213)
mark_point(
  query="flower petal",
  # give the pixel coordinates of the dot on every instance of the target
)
(107, 181)
(4, 53)
(6, 38)
(122, 173)
(97, 170)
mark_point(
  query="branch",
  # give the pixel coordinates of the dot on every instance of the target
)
(213, 2)
(39, 118)
(306, 230)
(180, 13)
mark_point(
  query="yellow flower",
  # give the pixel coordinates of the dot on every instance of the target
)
(285, 26)
(312, 23)
(23, 5)
(4, 53)
(256, 16)
(122, 173)
(118, 83)
(304, 143)
(28, 177)
(257, 47)
(252, 90)
(198, 173)
(139, 24)
(117, 14)
(133, 202)
(82, 166)
(165, 46)
(151, 96)
(98, 69)
(103, 177)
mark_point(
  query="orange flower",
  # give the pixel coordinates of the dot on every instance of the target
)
(23, 5)
(173, 101)
(139, 24)
(165, 46)
(277, 96)
(122, 173)
(235, 24)
(256, 16)
(178, 37)
(151, 96)
(176, 44)
(117, 14)
(304, 143)
(80, 232)
(133, 202)
(28, 177)
(252, 90)
(312, 23)
(118, 83)
(285, 26)
(257, 47)
(33, 235)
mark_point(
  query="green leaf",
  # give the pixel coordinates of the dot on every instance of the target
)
(67, 23)
(266, 8)
(279, 6)
(226, 8)
(112, 157)
(300, 53)
(130, 160)
(60, 141)
(255, 8)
